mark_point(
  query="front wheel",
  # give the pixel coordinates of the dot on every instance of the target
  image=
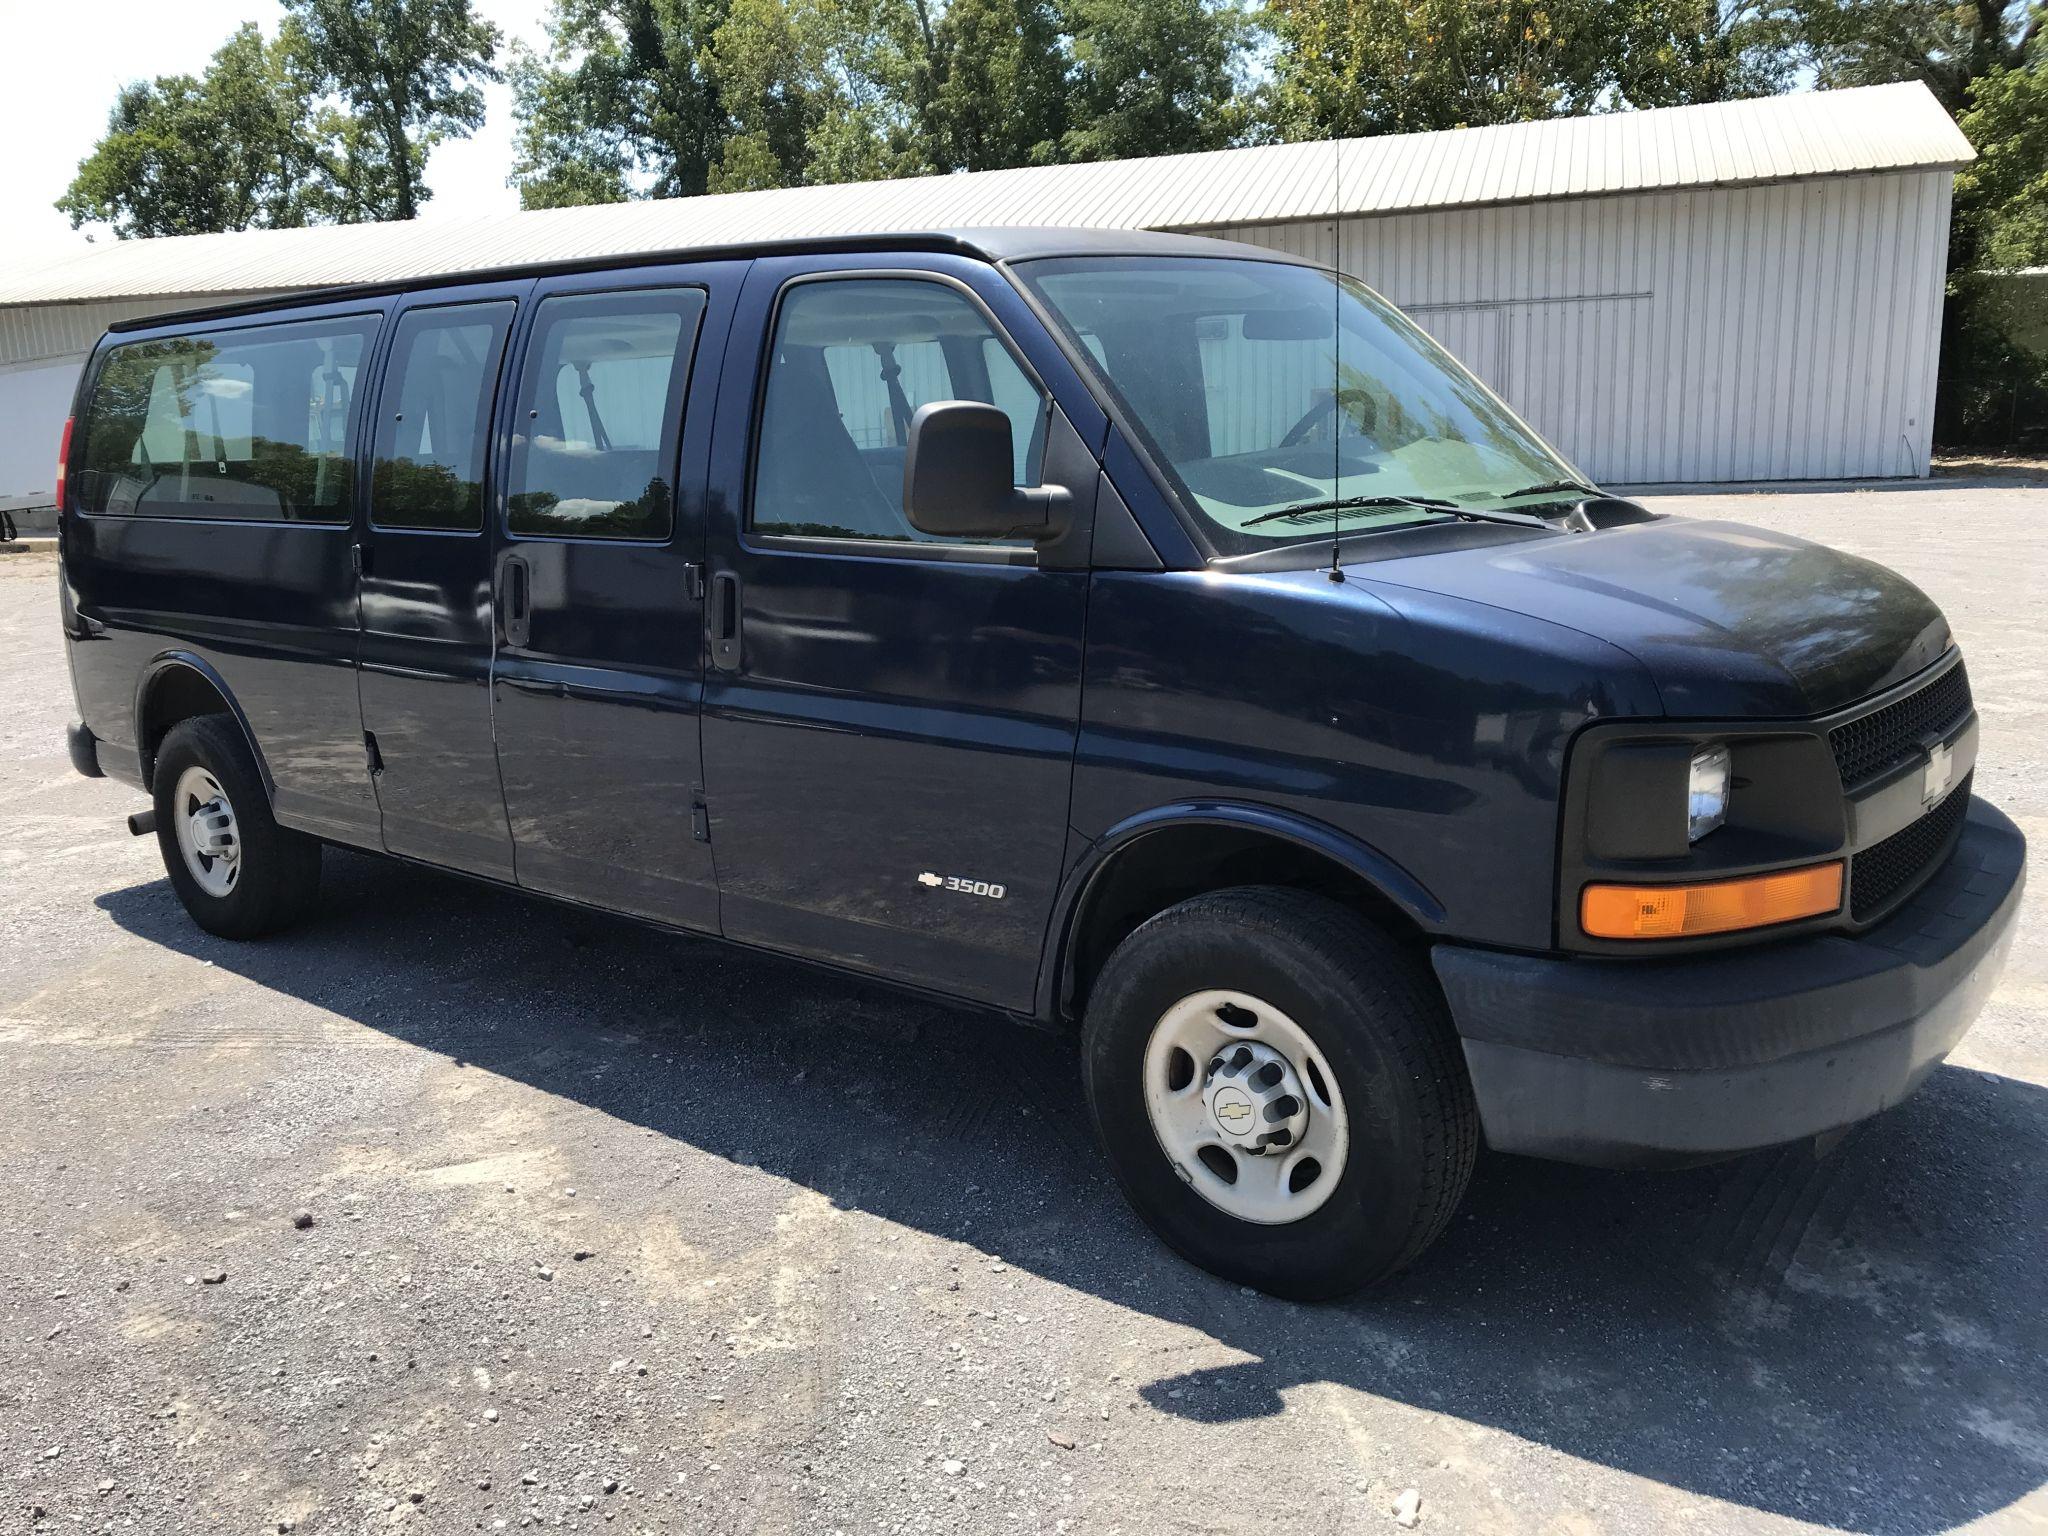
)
(238, 873)
(1280, 1090)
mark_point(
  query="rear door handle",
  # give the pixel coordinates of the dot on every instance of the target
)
(515, 601)
(725, 619)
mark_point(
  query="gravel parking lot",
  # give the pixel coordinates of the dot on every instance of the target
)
(609, 1226)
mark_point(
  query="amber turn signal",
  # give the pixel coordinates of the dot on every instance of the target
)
(1720, 906)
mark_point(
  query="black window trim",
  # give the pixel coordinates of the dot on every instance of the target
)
(751, 538)
(345, 512)
(675, 522)
(491, 456)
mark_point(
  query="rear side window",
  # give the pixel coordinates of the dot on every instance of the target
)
(854, 358)
(250, 424)
(434, 417)
(600, 414)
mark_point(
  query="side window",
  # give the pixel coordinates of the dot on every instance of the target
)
(434, 418)
(250, 424)
(601, 413)
(853, 359)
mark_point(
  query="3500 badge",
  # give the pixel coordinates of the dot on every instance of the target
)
(986, 888)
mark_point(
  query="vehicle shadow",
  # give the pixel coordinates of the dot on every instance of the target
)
(1856, 1340)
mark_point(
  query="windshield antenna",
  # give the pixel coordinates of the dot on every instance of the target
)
(1336, 357)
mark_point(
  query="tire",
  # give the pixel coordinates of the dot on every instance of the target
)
(274, 874)
(1358, 1006)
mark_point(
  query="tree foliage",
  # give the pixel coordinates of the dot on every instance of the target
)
(184, 155)
(1994, 387)
(671, 97)
(1949, 44)
(2002, 196)
(331, 121)
(1153, 77)
(997, 86)
(1348, 67)
(816, 91)
(624, 92)
(406, 72)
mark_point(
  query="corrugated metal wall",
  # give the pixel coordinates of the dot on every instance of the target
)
(33, 333)
(1784, 332)
(1779, 332)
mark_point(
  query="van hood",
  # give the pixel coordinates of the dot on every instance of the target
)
(1729, 620)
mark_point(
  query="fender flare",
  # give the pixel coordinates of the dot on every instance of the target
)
(165, 661)
(1361, 859)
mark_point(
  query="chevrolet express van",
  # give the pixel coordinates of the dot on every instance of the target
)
(1150, 635)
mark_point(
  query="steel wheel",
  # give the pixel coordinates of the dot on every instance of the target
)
(204, 821)
(1245, 1107)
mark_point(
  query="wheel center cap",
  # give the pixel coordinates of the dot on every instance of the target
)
(213, 830)
(1254, 1098)
(1233, 1111)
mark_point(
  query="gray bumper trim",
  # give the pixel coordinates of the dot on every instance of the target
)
(1618, 1062)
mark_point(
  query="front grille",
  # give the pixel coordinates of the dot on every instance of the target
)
(1885, 738)
(1881, 871)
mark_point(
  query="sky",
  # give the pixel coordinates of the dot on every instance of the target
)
(58, 94)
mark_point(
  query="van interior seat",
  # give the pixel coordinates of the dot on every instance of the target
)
(811, 471)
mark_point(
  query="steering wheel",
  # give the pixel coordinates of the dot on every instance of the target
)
(1310, 420)
(1325, 406)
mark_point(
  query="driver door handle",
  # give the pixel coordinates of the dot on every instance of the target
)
(515, 600)
(725, 620)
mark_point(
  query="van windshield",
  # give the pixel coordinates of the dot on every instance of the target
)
(1264, 386)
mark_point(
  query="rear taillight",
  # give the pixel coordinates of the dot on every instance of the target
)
(64, 463)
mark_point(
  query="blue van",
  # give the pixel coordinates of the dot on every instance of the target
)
(1151, 636)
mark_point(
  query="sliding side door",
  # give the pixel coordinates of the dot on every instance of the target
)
(599, 669)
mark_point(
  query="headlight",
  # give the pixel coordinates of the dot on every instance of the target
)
(1706, 795)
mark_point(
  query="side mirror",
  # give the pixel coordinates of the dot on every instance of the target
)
(956, 478)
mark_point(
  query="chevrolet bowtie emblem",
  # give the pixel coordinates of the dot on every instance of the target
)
(1934, 779)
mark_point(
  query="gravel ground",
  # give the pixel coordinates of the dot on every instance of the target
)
(608, 1226)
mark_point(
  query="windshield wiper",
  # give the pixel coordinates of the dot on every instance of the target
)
(1346, 503)
(1423, 503)
(1552, 485)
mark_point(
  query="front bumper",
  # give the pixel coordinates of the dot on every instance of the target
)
(1635, 1063)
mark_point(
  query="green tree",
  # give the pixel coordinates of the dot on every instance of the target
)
(2001, 197)
(1949, 44)
(1354, 67)
(1155, 77)
(678, 97)
(407, 73)
(1357, 67)
(1985, 61)
(817, 91)
(1994, 341)
(185, 156)
(998, 85)
(1686, 51)
(623, 98)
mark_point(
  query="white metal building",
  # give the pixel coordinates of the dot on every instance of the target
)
(1749, 290)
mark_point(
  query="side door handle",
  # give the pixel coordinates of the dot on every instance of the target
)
(725, 619)
(515, 600)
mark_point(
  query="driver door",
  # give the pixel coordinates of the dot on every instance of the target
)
(890, 718)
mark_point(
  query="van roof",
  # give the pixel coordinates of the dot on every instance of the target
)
(999, 244)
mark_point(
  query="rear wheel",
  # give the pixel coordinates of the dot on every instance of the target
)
(1280, 1090)
(236, 870)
